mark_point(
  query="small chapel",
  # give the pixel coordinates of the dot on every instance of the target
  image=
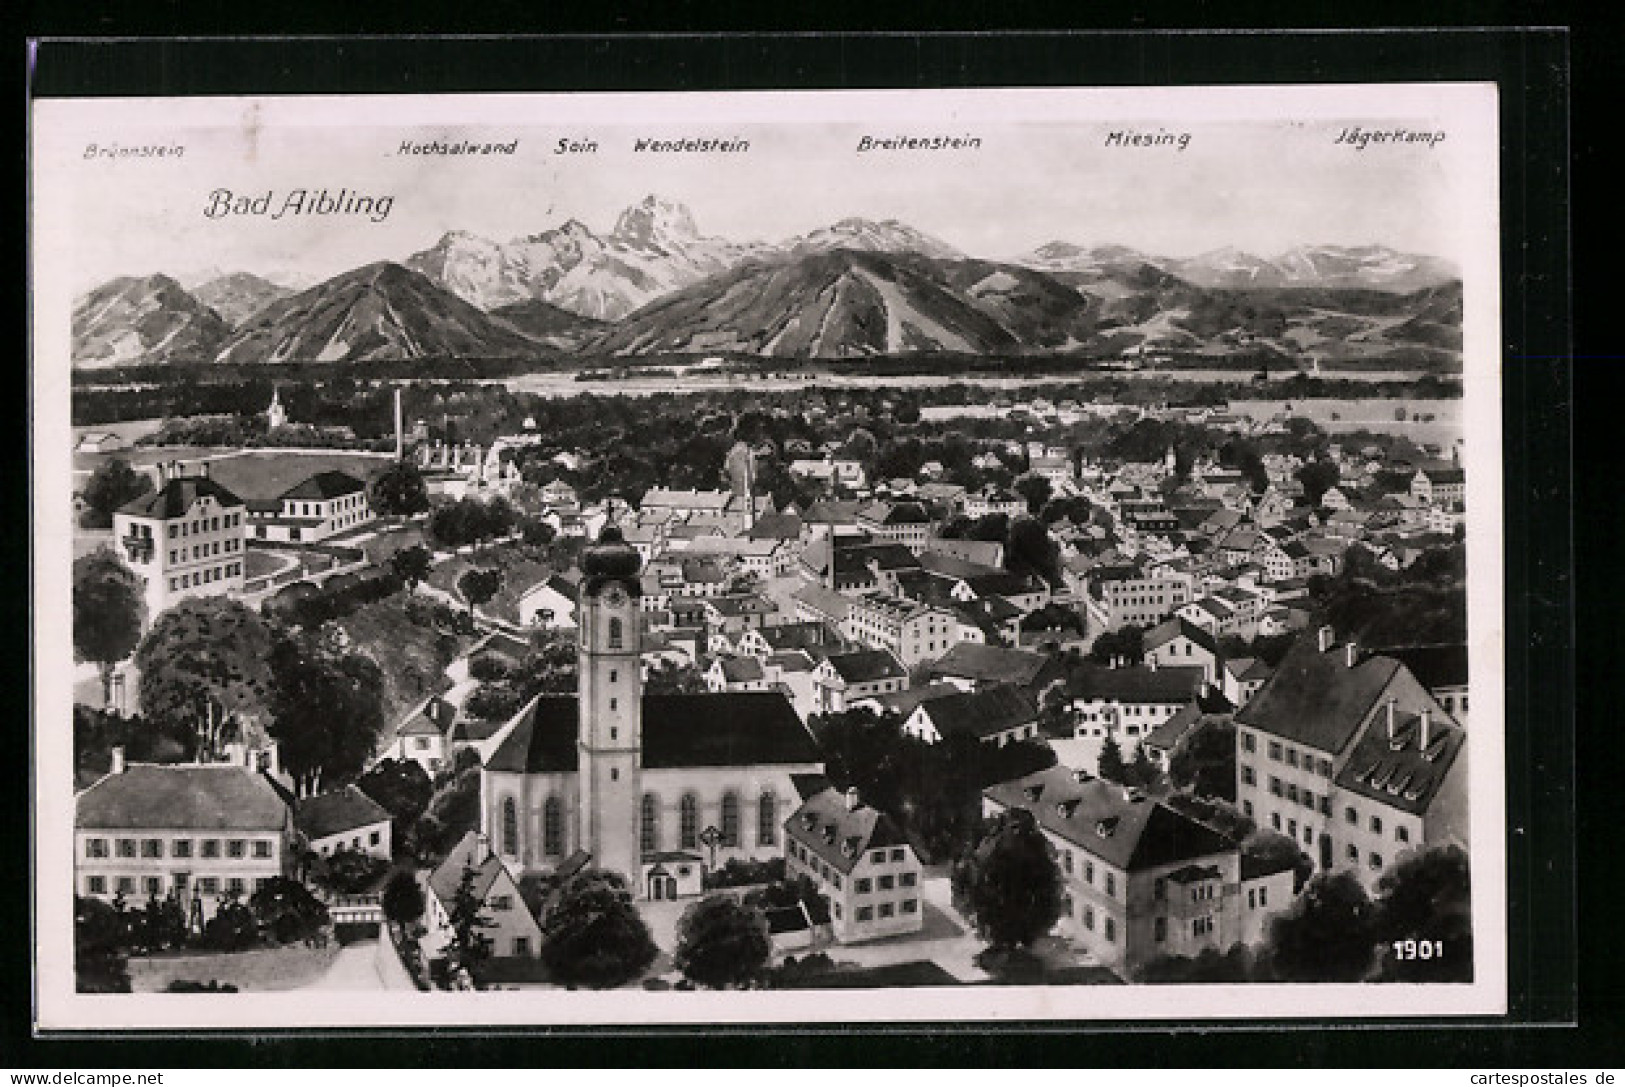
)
(660, 788)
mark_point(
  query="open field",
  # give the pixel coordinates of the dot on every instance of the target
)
(261, 970)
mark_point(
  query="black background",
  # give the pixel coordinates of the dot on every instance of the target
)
(1532, 68)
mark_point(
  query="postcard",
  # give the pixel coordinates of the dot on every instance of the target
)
(951, 556)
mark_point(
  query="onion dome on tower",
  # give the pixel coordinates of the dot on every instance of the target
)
(610, 559)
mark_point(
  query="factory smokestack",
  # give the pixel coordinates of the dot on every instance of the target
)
(400, 437)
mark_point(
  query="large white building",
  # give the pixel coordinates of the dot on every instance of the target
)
(183, 540)
(199, 832)
(656, 787)
(1348, 754)
(322, 505)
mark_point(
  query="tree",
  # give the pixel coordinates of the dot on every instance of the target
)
(1317, 477)
(112, 484)
(1271, 851)
(109, 610)
(1008, 885)
(233, 926)
(593, 935)
(1126, 642)
(722, 943)
(403, 898)
(669, 678)
(1424, 923)
(348, 871)
(327, 712)
(399, 490)
(205, 666)
(466, 916)
(1112, 767)
(99, 963)
(403, 787)
(478, 586)
(1031, 550)
(287, 910)
(411, 565)
(1327, 935)
(1206, 761)
(1037, 490)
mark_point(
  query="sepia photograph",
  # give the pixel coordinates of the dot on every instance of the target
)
(799, 557)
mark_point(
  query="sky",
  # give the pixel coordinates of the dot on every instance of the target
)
(1259, 183)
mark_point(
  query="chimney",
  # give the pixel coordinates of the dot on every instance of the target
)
(1351, 654)
(852, 801)
(1151, 661)
(118, 760)
(163, 474)
(400, 438)
(1426, 733)
(1391, 725)
(1324, 637)
(203, 469)
(482, 849)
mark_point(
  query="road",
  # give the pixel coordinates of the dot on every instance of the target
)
(366, 966)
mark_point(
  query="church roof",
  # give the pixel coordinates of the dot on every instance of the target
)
(736, 728)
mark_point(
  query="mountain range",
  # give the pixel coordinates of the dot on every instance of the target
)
(857, 287)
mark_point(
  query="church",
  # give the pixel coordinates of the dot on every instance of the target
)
(660, 788)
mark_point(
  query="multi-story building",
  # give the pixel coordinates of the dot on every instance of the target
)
(912, 631)
(1128, 703)
(509, 927)
(843, 678)
(320, 506)
(344, 819)
(197, 831)
(1118, 596)
(1141, 880)
(906, 523)
(861, 861)
(995, 716)
(184, 540)
(1348, 754)
(1439, 486)
(987, 502)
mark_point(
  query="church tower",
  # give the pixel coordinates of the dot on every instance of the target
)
(609, 678)
(276, 415)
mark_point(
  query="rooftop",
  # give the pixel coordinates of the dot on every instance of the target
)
(866, 666)
(839, 835)
(991, 664)
(338, 812)
(1316, 699)
(737, 728)
(1126, 830)
(177, 496)
(982, 713)
(187, 796)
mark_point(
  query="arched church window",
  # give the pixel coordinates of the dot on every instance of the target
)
(510, 827)
(614, 634)
(689, 822)
(730, 820)
(767, 819)
(552, 827)
(649, 831)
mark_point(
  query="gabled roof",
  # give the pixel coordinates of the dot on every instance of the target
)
(866, 666)
(324, 485)
(906, 702)
(188, 796)
(1135, 684)
(177, 496)
(1315, 699)
(446, 878)
(982, 713)
(895, 513)
(840, 835)
(740, 669)
(802, 635)
(1097, 816)
(1165, 632)
(991, 664)
(776, 526)
(338, 812)
(736, 728)
(824, 601)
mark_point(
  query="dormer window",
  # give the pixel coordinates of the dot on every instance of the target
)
(1107, 826)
